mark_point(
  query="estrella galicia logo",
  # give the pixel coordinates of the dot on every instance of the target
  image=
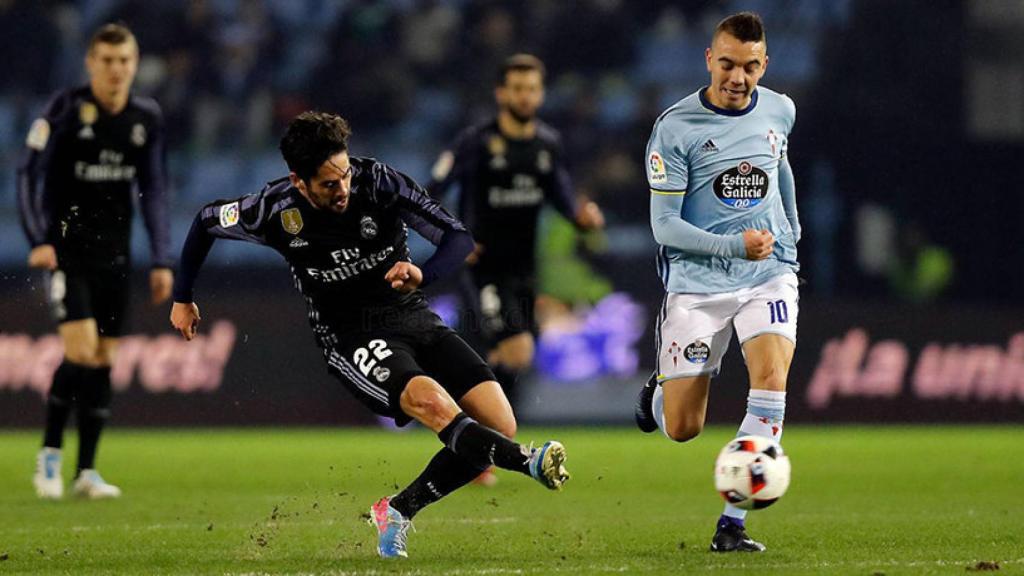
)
(367, 228)
(697, 352)
(743, 186)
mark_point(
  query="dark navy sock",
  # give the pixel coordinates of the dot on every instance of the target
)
(93, 412)
(66, 380)
(445, 473)
(482, 446)
(724, 521)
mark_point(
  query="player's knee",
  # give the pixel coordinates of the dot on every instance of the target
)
(425, 399)
(771, 380)
(684, 429)
(105, 355)
(506, 427)
(517, 352)
(83, 354)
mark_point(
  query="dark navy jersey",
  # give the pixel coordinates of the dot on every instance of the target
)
(78, 174)
(503, 183)
(338, 260)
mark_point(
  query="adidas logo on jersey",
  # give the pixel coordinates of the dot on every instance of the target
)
(298, 243)
(709, 147)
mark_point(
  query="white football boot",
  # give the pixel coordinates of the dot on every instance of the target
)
(48, 480)
(91, 485)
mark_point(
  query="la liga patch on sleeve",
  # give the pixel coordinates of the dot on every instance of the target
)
(38, 134)
(229, 215)
(656, 169)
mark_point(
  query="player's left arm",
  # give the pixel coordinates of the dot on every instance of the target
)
(152, 186)
(425, 215)
(585, 214)
(787, 190)
(787, 184)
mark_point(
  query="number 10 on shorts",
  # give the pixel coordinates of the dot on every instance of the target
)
(779, 312)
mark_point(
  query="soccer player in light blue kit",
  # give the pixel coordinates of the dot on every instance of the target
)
(723, 211)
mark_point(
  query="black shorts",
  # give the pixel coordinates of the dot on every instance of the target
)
(376, 365)
(99, 294)
(498, 306)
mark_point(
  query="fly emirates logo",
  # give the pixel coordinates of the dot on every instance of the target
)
(109, 169)
(349, 264)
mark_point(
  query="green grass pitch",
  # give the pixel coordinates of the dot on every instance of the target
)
(864, 500)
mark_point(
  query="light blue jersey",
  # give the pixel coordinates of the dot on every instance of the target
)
(714, 173)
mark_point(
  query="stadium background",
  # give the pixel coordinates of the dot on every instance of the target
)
(906, 152)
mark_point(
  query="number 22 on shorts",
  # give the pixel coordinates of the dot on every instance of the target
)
(366, 358)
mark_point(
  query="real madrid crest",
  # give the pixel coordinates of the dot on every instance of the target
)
(544, 161)
(367, 228)
(291, 220)
(138, 136)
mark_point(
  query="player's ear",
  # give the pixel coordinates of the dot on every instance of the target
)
(297, 182)
(707, 58)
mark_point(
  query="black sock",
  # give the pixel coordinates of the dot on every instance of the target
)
(93, 411)
(445, 473)
(482, 446)
(66, 380)
(509, 380)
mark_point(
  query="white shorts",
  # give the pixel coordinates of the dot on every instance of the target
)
(694, 330)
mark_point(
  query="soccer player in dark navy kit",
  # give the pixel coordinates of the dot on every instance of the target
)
(506, 169)
(340, 222)
(93, 148)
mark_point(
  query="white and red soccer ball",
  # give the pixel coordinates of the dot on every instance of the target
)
(752, 472)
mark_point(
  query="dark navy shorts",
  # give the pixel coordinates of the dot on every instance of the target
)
(100, 294)
(376, 365)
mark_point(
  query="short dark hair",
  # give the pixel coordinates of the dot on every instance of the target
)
(311, 138)
(745, 27)
(114, 33)
(520, 63)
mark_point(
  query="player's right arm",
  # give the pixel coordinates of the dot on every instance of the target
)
(668, 176)
(35, 195)
(458, 164)
(240, 219)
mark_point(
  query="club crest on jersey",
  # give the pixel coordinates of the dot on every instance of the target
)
(367, 228)
(697, 352)
(291, 220)
(229, 215)
(544, 161)
(743, 186)
(656, 169)
(138, 136)
(381, 373)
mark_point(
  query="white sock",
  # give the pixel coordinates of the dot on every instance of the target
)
(766, 410)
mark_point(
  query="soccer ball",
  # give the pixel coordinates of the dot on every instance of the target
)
(752, 472)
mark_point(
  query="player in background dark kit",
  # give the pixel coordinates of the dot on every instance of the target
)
(506, 169)
(340, 222)
(93, 148)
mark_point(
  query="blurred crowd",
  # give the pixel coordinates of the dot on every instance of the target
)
(408, 74)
